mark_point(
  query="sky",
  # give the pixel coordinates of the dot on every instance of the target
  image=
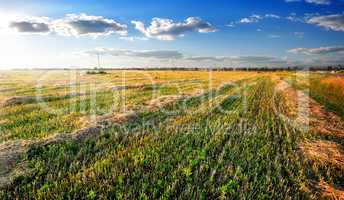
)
(179, 33)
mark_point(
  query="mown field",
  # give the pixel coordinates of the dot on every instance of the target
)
(171, 134)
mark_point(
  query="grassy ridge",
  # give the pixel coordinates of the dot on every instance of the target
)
(330, 94)
(328, 90)
(227, 144)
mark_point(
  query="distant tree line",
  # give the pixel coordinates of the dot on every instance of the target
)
(294, 68)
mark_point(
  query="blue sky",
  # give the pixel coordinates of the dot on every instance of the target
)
(187, 33)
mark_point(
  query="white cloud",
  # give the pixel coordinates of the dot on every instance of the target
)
(272, 16)
(230, 24)
(318, 2)
(132, 39)
(248, 20)
(251, 19)
(318, 51)
(294, 18)
(331, 22)
(166, 29)
(82, 24)
(70, 25)
(255, 19)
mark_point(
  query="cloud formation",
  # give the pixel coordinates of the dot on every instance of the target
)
(318, 2)
(272, 16)
(171, 58)
(82, 24)
(244, 61)
(70, 25)
(177, 56)
(254, 59)
(167, 29)
(132, 38)
(206, 58)
(251, 19)
(157, 54)
(32, 25)
(294, 18)
(318, 51)
(330, 22)
(329, 60)
(254, 19)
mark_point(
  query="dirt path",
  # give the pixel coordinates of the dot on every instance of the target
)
(321, 153)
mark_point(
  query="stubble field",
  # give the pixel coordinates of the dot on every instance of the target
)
(171, 134)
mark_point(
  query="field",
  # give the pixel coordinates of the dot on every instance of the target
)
(171, 134)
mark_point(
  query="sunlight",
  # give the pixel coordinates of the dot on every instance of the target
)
(171, 99)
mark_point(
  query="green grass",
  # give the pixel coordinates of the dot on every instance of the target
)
(32, 120)
(229, 142)
(223, 149)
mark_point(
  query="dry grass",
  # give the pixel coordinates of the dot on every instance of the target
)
(230, 150)
(18, 100)
(327, 191)
(10, 152)
(232, 142)
(324, 153)
(304, 109)
(70, 94)
(297, 103)
(163, 101)
(325, 158)
(335, 81)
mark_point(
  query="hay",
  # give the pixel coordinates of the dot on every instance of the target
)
(11, 165)
(308, 112)
(11, 152)
(321, 153)
(324, 153)
(163, 101)
(12, 101)
(18, 101)
(327, 191)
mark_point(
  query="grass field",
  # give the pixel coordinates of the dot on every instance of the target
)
(171, 134)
